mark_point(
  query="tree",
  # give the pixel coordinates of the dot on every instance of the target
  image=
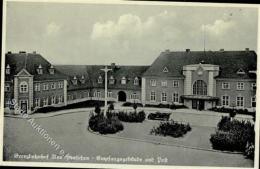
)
(97, 109)
(135, 106)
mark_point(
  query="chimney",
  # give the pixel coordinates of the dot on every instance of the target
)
(113, 65)
(221, 50)
(167, 50)
(9, 52)
(246, 49)
(187, 50)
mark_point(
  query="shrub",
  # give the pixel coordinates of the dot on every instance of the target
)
(129, 104)
(233, 135)
(250, 150)
(131, 116)
(105, 125)
(170, 106)
(171, 128)
(232, 112)
(159, 116)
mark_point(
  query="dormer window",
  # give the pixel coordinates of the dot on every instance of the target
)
(100, 80)
(51, 70)
(39, 70)
(7, 70)
(82, 79)
(111, 80)
(123, 80)
(240, 71)
(74, 80)
(136, 81)
(165, 69)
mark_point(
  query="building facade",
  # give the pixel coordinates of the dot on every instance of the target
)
(196, 79)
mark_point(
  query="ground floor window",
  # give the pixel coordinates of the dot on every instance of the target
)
(53, 100)
(97, 94)
(164, 97)
(225, 100)
(37, 102)
(109, 94)
(133, 96)
(240, 101)
(153, 96)
(60, 100)
(86, 94)
(253, 101)
(45, 101)
(175, 97)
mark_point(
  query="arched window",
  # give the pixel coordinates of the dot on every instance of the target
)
(23, 87)
(200, 88)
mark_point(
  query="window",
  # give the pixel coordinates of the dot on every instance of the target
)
(86, 94)
(7, 70)
(133, 96)
(240, 85)
(60, 85)
(37, 87)
(240, 101)
(97, 94)
(152, 82)
(225, 100)
(53, 85)
(70, 97)
(45, 86)
(60, 99)
(45, 101)
(100, 80)
(109, 94)
(53, 100)
(175, 83)
(123, 80)
(39, 70)
(175, 97)
(164, 83)
(164, 97)
(200, 88)
(153, 96)
(241, 71)
(225, 85)
(111, 80)
(253, 101)
(165, 70)
(7, 87)
(136, 81)
(23, 87)
(51, 70)
(37, 102)
(253, 86)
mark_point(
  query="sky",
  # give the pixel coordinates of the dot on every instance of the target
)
(90, 34)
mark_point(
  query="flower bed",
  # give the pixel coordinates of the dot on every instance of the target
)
(159, 116)
(131, 116)
(105, 125)
(234, 135)
(171, 128)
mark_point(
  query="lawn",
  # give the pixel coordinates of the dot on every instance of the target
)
(69, 130)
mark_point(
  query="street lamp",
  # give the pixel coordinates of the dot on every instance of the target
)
(105, 70)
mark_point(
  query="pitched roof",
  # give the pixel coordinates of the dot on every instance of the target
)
(92, 73)
(229, 61)
(30, 62)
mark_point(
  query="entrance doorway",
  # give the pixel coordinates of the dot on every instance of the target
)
(121, 96)
(198, 104)
(24, 106)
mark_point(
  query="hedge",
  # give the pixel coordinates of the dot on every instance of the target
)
(136, 117)
(170, 106)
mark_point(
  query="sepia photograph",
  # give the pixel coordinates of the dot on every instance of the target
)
(130, 83)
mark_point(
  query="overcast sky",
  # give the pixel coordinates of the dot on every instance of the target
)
(125, 34)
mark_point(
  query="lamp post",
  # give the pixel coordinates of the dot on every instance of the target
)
(105, 70)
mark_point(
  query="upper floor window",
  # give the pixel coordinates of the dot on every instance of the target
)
(165, 69)
(60, 85)
(152, 82)
(37, 87)
(45, 86)
(175, 83)
(74, 80)
(164, 83)
(7, 87)
(100, 80)
(240, 85)
(200, 88)
(53, 86)
(253, 86)
(111, 80)
(7, 70)
(136, 81)
(23, 87)
(123, 80)
(225, 85)
(51, 70)
(82, 79)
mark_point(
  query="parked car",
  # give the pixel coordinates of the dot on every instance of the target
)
(159, 116)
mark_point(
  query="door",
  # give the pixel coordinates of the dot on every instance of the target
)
(121, 96)
(194, 104)
(201, 105)
(24, 106)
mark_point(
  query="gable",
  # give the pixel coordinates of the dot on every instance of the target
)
(165, 69)
(23, 72)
